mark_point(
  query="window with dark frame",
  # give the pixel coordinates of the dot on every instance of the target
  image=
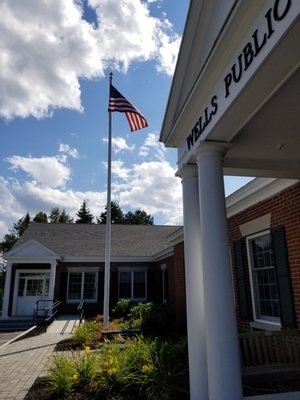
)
(82, 286)
(132, 285)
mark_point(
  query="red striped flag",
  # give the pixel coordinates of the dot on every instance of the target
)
(117, 102)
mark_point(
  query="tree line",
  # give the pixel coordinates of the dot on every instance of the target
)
(84, 216)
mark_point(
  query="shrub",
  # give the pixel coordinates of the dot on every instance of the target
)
(87, 332)
(122, 309)
(151, 318)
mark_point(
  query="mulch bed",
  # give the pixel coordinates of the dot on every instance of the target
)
(41, 390)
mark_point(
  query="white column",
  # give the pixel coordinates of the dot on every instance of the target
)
(223, 361)
(194, 284)
(6, 294)
(52, 280)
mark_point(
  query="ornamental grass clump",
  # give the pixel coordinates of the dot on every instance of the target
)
(86, 333)
(86, 366)
(62, 374)
(141, 369)
(169, 373)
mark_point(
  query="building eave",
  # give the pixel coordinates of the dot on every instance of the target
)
(255, 191)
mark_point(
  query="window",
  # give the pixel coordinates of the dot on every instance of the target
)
(263, 278)
(132, 285)
(82, 285)
(33, 284)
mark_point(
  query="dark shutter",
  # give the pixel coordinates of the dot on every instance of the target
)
(286, 302)
(241, 287)
(114, 286)
(63, 287)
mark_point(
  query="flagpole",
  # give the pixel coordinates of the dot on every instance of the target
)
(108, 223)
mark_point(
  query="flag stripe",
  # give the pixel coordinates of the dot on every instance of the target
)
(117, 102)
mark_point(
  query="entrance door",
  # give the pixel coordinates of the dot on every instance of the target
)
(32, 287)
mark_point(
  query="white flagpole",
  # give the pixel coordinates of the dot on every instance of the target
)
(108, 223)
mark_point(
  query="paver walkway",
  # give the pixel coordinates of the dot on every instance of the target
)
(22, 362)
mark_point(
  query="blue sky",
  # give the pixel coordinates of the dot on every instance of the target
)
(55, 58)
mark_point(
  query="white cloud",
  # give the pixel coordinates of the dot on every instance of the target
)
(153, 187)
(46, 46)
(151, 145)
(150, 185)
(119, 144)
(48, 171)
(19, 197)
(66, 149)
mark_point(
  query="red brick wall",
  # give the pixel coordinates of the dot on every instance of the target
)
(285, 210)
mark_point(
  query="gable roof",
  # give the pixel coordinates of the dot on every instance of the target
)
(88, 240)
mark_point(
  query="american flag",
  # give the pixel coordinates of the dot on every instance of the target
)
(117, 102)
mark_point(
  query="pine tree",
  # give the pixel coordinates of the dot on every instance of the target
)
(57, 216)
(138, 217)
(84, 215)
(117, 215)
(40, 217)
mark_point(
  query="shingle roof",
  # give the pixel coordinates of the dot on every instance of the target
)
(88, 240)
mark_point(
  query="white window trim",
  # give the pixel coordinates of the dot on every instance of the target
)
(139, 269)
(82, 272)
(16, 284)
(261, 322)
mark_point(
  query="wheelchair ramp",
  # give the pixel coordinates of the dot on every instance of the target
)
(64, 324)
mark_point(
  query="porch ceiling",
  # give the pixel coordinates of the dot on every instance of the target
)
(269, 144)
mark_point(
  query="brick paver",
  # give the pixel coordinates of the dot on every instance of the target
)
(22, 362)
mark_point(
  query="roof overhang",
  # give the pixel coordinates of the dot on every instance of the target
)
(258, 113)
(252, 193)
(31, 251)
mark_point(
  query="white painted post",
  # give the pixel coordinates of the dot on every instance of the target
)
(223, 362)
(194, 284)
(6, 294)
(52, 280)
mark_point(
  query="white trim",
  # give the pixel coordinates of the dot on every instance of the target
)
(255, 191)
(80, 268)
(253, 295)
(155, 257)
(10, 254)
(133, 269)
(265, 325)
(163, 267)
(256, 225)
(177, 236)
(16, 285)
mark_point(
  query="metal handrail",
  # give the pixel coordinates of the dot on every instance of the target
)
(80, 310)
(48, 312)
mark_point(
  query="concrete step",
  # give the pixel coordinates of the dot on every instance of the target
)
(15, 324)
